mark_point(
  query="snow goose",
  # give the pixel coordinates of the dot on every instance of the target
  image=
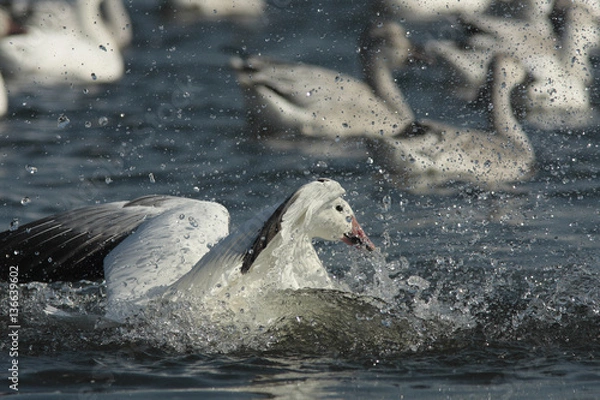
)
(429, 10)
(64, 43)
(283, 97)
(217, 10)
(57, 14)
(558, 95)
(175, 247)
(430, 153)
(6, 28)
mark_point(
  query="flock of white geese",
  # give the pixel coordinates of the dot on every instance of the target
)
(536, 62)
(543, 49)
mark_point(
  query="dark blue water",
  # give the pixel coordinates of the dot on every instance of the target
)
(487, 295)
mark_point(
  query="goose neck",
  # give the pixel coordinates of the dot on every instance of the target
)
(292, 263)
(502, 115)
(378, 75)
(92, 23)
(580, 37)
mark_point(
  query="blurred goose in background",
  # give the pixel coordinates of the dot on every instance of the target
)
(430, 153)
(283, 97)
(560, 65)
(428, 10)
(57, 14)
(215, 10)
(7, 27)
(67, 42)
(580, 35)
(532, 35)
(182, 248)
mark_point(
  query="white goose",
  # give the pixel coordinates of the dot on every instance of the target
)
(175, 247)
(429, 10)
(283, 97)
(6, 28)
(432, 153)
(218, 9)
(560, 66)
(64, 43)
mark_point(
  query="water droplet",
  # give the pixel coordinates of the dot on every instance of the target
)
(94, 77)
(63, 121)
(102, 121)
(88, 124)
(193, 222)
(86, 91)
(31, 169)
(369, 161)
(387, 203)
(108, 180)
(419, 282)
(102, 47)
(151, 176)
(25, 200)
(321, 164)
(14, 225)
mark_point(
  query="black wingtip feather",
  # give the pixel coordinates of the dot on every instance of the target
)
(72, 246)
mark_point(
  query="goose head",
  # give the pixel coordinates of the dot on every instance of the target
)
(335, 220)
(315, 210)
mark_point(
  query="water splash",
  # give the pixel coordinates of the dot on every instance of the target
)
(390, 307)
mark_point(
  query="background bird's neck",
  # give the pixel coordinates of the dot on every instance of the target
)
(378, 75)
(502, 115)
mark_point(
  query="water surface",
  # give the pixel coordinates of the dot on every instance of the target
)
(474, 294)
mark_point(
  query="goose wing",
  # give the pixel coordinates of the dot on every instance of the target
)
(163, 249)
(227, 256)
(73, 245)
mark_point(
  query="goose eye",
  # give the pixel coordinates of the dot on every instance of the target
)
(339, 208)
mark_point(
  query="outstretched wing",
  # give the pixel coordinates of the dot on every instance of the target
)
(72, 246)
(226, 256)
(163, 249)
